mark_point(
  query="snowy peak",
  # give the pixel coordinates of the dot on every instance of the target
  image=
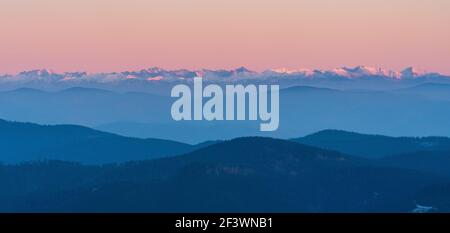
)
(242, 70)
(365, 71)
(412, 72)
(155, 70)
(344, 72)
(40, 73)
(222, 73)
(283, 70)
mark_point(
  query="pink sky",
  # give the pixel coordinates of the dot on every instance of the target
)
(116, 35)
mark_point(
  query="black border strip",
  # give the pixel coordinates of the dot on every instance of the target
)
(284, 222)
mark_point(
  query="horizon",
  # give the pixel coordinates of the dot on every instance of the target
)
(280, 70)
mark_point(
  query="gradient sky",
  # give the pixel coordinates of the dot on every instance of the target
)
(116, 35)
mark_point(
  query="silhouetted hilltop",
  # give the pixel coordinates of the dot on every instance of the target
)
(373, 146)
(27, 142)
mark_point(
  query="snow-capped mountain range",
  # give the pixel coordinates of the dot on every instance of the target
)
(159, 81)
(158, 74)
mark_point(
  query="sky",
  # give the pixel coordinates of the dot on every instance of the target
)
(117, 35)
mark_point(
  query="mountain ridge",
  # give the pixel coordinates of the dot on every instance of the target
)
(173, 74)
(29, 142)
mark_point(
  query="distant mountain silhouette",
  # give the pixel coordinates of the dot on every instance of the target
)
(303, 110)
(438, 91)
(27, 90)
(431, 87)
(82, 106)
(27, 142)
(373, 146)
(242, 175)
(295, 89)
(78, 90)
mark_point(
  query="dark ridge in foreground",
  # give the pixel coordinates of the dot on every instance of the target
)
(242, 175)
